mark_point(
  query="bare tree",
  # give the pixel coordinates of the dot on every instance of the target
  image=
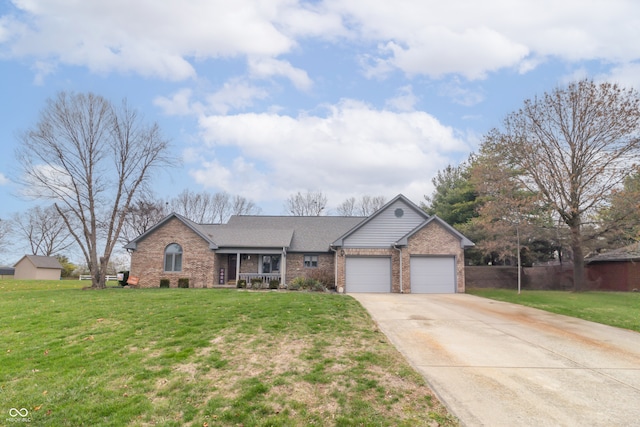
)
(243, 206)
(573, 146)
(143, 214)
(5, 232)
(92, 159)
(365, 206)
(309, 204)
(198, 207)
(44, 229)
(211, 208)
(348, 207)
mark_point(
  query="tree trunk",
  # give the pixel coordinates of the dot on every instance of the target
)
(579, 283)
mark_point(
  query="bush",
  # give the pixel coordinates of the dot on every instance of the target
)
(296, 283)
(256, 283)
(274, 284)
(306, 284)
(183, 282)
(241, 284)
(324, 276)
(164, 283)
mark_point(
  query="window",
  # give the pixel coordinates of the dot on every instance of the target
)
(271, 263)
(311, 261)
(173, 257)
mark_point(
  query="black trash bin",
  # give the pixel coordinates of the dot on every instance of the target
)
(123, 276)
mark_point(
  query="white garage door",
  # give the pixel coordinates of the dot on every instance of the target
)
(433, 275)
(368, 274)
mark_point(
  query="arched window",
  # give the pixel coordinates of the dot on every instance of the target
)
(173, 257)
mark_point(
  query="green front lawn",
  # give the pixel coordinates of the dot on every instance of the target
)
(201, 357)
(620, 309)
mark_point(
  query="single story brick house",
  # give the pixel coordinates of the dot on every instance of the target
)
(398, 249)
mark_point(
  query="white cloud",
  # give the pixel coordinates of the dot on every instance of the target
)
(268, 67)
(461, 94)
(179, 104)
(354, 149)
(3, 179)
(404, 101)
(148, 37)
(472, 38)
(627, 75)
(419, 37)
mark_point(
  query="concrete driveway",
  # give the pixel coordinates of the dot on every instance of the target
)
(499, 364)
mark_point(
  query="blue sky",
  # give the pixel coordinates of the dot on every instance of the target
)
(265, 98)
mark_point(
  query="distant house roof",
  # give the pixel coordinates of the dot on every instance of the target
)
(7, 271)
(627, 253)
(40, 261)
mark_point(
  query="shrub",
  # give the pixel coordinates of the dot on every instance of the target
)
(256, 283)
(242, 284)
(323, 276)
(307, 284)
(296, 283)
(274, 284)
(164, 283)
(183, 282)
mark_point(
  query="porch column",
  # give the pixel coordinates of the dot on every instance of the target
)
(283, 268)
(237, 268)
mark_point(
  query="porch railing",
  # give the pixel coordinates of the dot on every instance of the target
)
(266, 277)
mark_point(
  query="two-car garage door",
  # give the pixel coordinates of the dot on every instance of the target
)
(429, 274)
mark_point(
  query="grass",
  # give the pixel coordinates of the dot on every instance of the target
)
(201, 357)
(620, 309)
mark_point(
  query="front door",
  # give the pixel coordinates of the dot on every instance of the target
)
(231, 268)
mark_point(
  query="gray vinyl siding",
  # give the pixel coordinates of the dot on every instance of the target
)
(385, 229)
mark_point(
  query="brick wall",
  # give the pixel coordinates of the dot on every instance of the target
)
(385, 252)
(198, 261)
(325, 268)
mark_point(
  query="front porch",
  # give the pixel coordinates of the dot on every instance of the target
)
(251, 266)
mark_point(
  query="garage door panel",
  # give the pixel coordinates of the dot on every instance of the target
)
(433, 275)
(368, 274)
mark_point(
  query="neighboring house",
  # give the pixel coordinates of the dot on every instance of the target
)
(399, 248)
(7, 272)
(616, 270)
(37, 267)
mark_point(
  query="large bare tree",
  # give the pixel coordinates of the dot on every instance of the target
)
(91, 158)
(44, 229)
(573, 146)
(312, 203)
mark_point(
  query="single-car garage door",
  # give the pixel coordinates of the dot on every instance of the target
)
(368, 274)
(433, 275)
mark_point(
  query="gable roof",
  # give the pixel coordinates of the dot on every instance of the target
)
(296, 233)
(40, 261)
(306, 233)
(192, 225)
(372, 217)
(627, 253)
(464, 241)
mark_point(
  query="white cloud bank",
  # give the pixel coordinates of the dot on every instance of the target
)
(427, 37)
(352, 150)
